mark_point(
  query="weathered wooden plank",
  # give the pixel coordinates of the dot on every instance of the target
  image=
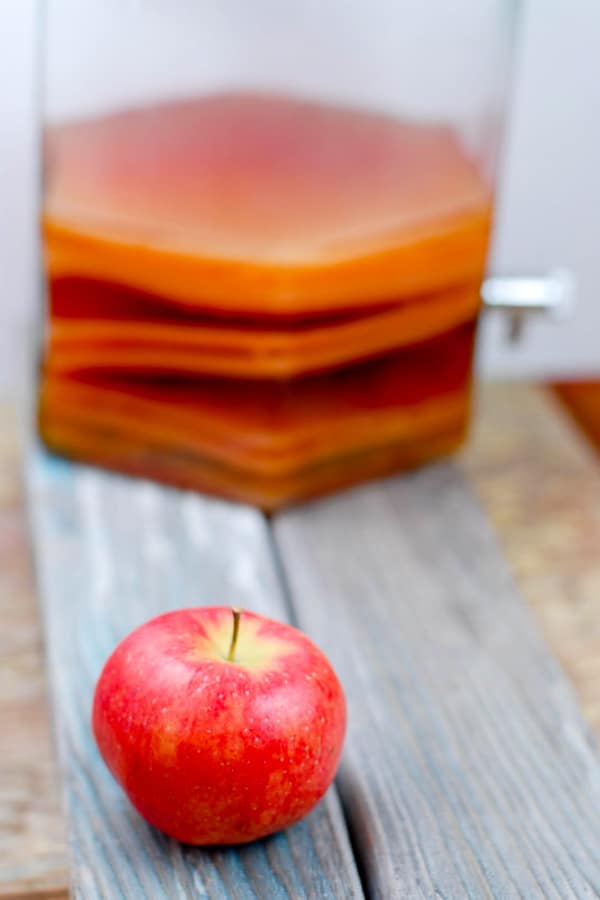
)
(540, 486)
(468, 771)
(538, 479)
(112, 552)
(32, 859)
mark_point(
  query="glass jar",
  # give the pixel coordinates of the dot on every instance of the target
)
(265, 228)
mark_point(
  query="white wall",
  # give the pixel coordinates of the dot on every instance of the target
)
(549, 202)
(549, 211)
(18, 180)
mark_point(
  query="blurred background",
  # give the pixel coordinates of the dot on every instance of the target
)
(548, 212)
(535, 477)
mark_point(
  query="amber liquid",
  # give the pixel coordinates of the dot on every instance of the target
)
(258, 296)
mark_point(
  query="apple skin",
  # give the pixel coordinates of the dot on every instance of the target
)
(217, 752)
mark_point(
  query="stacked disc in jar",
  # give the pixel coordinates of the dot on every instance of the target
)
(259, 296)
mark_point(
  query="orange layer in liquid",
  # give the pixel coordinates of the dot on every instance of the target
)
(267, 439)
(259, 296)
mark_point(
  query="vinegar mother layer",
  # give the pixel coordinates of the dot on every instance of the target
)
(261, 204)
(259, 296)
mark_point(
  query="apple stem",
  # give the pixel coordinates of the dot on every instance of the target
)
(236, 627)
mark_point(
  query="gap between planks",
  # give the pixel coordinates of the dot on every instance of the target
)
(100, 574)
(504, 460)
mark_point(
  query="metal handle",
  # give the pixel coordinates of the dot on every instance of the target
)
(520, 296)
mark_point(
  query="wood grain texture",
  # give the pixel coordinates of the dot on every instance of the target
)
(539, 482)
(468, 770)
(111, 553)
(32, 845)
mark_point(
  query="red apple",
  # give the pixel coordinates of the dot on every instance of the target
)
(221, 726)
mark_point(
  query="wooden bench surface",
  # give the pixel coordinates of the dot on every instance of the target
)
(468, 771)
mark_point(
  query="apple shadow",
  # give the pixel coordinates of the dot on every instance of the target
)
(268, 862)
